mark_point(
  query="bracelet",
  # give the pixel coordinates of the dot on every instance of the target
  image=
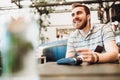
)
(97, 58)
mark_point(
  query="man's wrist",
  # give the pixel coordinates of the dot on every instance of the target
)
(97, 58)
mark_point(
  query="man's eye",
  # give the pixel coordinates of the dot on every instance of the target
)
(72, 14)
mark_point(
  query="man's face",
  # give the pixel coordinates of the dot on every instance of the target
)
(79, 18)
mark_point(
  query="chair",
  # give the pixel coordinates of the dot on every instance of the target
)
(54, 50)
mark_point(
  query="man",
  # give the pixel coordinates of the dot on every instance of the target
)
(87, 37)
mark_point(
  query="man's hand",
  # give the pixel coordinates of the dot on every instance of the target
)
(86, 54)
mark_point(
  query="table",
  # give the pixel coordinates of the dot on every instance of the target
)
(52, 71)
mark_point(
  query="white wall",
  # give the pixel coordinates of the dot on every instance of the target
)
(60, 18)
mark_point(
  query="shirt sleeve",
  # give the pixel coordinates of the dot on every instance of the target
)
(107, 33)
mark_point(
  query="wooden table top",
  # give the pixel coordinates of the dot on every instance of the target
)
(52, 71)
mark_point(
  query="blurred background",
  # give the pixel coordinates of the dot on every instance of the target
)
(54, 16)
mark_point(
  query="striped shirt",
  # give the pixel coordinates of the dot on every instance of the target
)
(98, 35)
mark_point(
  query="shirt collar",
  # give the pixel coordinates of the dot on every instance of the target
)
(91, 28)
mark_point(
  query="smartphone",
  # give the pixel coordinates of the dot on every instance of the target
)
(99, 49)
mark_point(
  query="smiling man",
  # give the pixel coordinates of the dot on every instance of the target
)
(87, 37)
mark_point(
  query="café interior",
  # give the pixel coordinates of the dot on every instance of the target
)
(31, 52)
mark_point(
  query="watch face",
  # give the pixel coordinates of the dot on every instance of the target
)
(79, 61)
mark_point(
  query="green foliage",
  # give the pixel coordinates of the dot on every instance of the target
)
(19, 48)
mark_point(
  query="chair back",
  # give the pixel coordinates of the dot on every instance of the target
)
(55, 50)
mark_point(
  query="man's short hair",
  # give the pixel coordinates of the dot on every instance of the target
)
(87, 10)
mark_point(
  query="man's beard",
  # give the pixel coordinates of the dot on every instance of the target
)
(82, 26)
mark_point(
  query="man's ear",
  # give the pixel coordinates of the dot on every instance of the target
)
(88, 17)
